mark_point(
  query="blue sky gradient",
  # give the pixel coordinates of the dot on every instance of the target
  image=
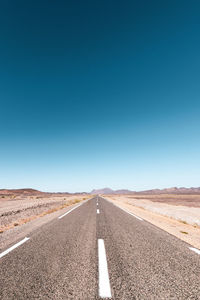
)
(99, 93)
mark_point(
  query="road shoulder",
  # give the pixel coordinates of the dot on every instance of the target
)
(186, 232)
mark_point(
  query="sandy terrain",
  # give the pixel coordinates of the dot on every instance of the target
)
(181, 221)
(16, 210)
(184, 200)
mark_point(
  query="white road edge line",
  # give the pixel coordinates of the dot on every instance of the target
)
(70, 211)
(104, 283)
(131, 214)
(60, 217)
(195, 250)
(125, 210)
(98, 212)
(14, 246)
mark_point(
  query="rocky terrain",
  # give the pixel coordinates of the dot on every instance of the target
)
(18, 207)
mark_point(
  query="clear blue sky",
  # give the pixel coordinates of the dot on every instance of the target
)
(99, 93)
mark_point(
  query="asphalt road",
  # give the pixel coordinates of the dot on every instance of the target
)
(65, 259)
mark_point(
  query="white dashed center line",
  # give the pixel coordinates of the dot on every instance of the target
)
(14, 246)
(98, 212)
(104, 283)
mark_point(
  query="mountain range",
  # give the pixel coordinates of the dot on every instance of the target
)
(173, 190)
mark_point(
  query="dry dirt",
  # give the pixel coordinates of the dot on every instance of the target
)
(174, 199)
(183, 221)
(17, 210)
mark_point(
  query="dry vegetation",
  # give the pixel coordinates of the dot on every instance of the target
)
(18, 209)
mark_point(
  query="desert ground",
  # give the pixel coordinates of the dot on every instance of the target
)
(17, 209)
(177, 214)
(22, 211)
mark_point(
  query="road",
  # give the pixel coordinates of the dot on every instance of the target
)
(96, 251)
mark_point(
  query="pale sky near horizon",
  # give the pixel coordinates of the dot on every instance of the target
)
(99, 94)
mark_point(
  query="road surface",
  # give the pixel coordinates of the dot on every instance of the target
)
(97, 251)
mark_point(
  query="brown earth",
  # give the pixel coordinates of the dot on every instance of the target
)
(19, 208)
(185, 200)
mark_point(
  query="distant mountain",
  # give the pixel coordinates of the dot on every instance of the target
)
(124, 192)
(103, 191)
(173, 190)
(33, 192)
(25, 191)
(110, 191)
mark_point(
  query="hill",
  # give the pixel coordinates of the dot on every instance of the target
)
(25, 191)
(173, 190)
